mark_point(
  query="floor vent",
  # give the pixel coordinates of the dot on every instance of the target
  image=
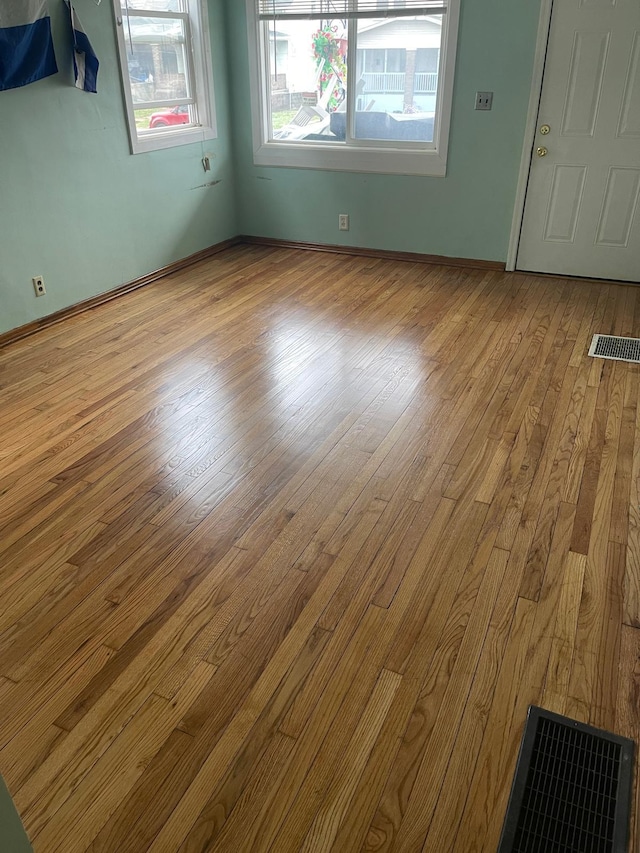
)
(572, 789)
(618, 349)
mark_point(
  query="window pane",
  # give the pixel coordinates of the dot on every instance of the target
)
(156, 5)
(399, 101)
(396, 59)
(156, 58)
(162, 120)
(308, 79)
(427, 59)
(373, 60)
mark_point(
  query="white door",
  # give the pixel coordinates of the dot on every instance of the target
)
(582, 213)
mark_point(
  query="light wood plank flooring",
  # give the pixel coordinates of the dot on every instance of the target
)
(290, 541)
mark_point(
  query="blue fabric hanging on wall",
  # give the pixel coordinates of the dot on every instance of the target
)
(26, 48)
(85, 61)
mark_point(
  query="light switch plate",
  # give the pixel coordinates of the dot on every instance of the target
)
(484, 100)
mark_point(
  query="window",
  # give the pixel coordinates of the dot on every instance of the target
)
(357, 85)
(165, 61)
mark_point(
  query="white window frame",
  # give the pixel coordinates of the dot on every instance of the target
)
(201, 81)
(382, 156)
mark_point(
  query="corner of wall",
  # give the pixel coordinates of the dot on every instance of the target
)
(77, 207)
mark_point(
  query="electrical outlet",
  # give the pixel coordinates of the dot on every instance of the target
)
(484, 100)
(38, 285)
(343, 222)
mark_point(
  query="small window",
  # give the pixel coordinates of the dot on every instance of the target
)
(358, 85)
(165, 61)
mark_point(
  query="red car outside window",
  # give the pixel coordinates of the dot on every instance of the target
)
(168, 118)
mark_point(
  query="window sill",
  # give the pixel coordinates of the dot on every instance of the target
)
(171, 139)
(325, 156)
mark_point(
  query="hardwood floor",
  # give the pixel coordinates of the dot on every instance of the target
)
(290, 541)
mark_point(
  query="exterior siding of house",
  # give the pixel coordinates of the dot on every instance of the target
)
(399, 33)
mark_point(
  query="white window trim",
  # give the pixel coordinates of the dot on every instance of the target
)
(383, 157)
(203, 82)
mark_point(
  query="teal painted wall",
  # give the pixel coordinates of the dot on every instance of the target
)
(14, 838)
(76, 206)
(466, 214)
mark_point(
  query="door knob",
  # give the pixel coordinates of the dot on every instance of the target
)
(542, 151)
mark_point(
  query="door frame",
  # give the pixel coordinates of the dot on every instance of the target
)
(542, 43)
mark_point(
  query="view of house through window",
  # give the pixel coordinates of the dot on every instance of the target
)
(163, 65)
(395, 62)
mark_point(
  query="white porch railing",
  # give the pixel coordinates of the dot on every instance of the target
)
(393, 82)
(381, 82)
(426, 82)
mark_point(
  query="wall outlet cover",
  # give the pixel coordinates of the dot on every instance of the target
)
(484, 100)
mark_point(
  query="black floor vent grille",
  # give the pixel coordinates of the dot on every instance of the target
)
(572, 789)
(615, 348)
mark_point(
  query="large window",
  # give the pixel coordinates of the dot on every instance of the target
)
(166, 71)
(359, 85)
